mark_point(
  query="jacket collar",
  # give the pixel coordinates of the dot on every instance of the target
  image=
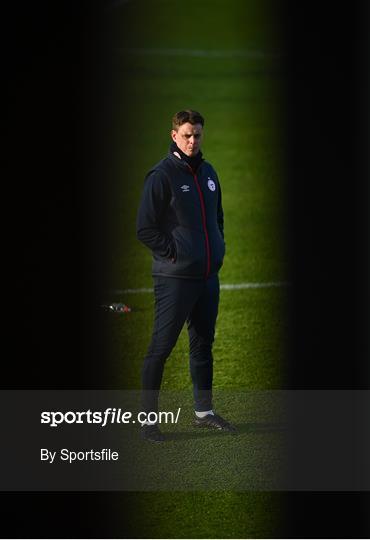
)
(184, 161)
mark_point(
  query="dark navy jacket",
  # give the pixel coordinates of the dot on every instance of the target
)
(180, 219)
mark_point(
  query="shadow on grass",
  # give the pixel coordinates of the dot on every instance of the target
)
(242, 429)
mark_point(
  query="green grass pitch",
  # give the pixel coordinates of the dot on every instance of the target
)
(238, 94)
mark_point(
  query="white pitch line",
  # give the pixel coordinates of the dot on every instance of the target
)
(266, 285)
(200, 53)
(223, 286)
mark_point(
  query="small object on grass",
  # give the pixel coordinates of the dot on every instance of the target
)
(117, 308)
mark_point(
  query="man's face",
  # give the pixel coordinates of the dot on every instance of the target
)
(188, 138)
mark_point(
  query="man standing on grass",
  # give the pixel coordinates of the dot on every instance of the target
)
(180, 220)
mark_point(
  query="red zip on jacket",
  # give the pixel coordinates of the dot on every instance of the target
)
(204, 221)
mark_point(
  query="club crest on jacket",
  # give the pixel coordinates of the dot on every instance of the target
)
(211, 184)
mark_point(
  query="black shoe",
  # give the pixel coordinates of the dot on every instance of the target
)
(214, 421)
(152, 433)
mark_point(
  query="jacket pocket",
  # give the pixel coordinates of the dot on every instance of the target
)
(171, 249)
(190, 248)
(217, 251)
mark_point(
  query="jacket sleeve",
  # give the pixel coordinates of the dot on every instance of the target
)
(220, 212)
(155, 199)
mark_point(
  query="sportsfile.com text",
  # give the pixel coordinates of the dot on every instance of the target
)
(107, 417)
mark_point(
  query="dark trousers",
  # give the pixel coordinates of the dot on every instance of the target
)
(178, 301)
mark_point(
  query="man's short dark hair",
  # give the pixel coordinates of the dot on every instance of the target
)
(182, 117)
